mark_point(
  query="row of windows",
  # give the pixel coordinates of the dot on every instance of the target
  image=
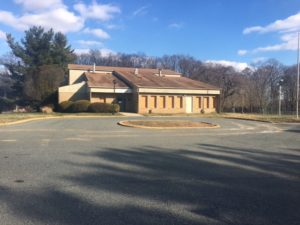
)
(161, 101)
(173, 102)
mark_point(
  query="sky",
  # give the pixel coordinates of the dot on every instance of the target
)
(232, 32)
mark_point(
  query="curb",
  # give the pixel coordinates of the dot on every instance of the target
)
(125, 124)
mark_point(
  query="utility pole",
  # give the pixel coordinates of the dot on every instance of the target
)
(279, 104)
(279, 97)
(297, 97)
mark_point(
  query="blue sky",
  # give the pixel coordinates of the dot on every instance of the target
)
(229, 31)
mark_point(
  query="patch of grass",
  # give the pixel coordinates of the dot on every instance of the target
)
(166, 124)
(13, 117)
(243, 116)
(263, 118)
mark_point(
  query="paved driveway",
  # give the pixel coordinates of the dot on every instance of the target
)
(92, 171)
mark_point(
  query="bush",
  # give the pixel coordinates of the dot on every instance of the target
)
(115, 108)
(98, 107)
(80, 106)
(65, 106)
(47, 108)
(6, 104)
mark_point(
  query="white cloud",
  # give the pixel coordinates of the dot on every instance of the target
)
(141, 11)
(176, 25)
(97, 11)
(289, 42)
(239, 66)
(97, 32)
(242, 52)
(104, 51)
(36, 5)
(60, 19)
(290, 24)
(89, 43)
(286, 29)
(2, 35)
(80, 51)
(55, 14)
(114, 26)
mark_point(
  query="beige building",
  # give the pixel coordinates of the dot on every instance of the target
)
(139, 90)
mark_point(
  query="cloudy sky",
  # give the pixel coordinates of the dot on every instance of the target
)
(230, 31)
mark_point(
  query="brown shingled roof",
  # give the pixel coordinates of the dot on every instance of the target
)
(114, 68)
(146, 78)
(150, 80)
(103, 80)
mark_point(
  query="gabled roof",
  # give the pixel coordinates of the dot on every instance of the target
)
(103, 80)
(146, 78)
(114, 68)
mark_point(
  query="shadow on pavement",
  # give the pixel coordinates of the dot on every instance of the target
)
(208, 184)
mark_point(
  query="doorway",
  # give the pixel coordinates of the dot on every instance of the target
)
(188, 104)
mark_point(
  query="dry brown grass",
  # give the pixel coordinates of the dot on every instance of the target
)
(264, 118)
(6, 118)
(243, 116)
(166, 124)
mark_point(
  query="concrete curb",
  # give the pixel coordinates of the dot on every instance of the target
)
(54, 117)
(125, 124)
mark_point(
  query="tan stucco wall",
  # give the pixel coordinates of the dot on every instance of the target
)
(73, 92)
(75, 75)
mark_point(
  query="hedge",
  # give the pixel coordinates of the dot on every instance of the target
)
(80, 106)
(65, 106)
(98, 107)
(86, 106)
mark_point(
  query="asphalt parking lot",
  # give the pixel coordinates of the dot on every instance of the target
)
(92, 171)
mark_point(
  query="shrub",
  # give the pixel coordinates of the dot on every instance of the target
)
(80, 106)
(6, 104)
(65, 106)
(99, 107)
(47, 108)
(115, 108)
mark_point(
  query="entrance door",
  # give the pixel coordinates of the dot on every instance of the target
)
(122, 103)
(188, 104)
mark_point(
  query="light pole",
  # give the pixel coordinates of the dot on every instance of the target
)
(279, 97)
(113, 111)
(297, 97)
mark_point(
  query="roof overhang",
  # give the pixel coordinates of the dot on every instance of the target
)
(110, 90)
(179, 91)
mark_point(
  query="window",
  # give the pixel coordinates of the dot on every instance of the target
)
(162, 102)
(180, 100)
(199, 102)
(153, 102)
(145, 101)
(206, 102)
(171, 102)
(214, 102)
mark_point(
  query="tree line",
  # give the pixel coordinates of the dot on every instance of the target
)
(254, 89)
(37, 66)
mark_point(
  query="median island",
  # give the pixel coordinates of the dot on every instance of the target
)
(168, 124)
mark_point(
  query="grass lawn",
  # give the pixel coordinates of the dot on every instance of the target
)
(244, 116)
(13, 117)
(264, 118)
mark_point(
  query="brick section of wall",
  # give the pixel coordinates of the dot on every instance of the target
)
(174, 103)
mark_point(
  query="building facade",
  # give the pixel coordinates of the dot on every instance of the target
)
(139, 90)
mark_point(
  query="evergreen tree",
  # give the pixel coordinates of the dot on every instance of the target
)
(38, 52)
